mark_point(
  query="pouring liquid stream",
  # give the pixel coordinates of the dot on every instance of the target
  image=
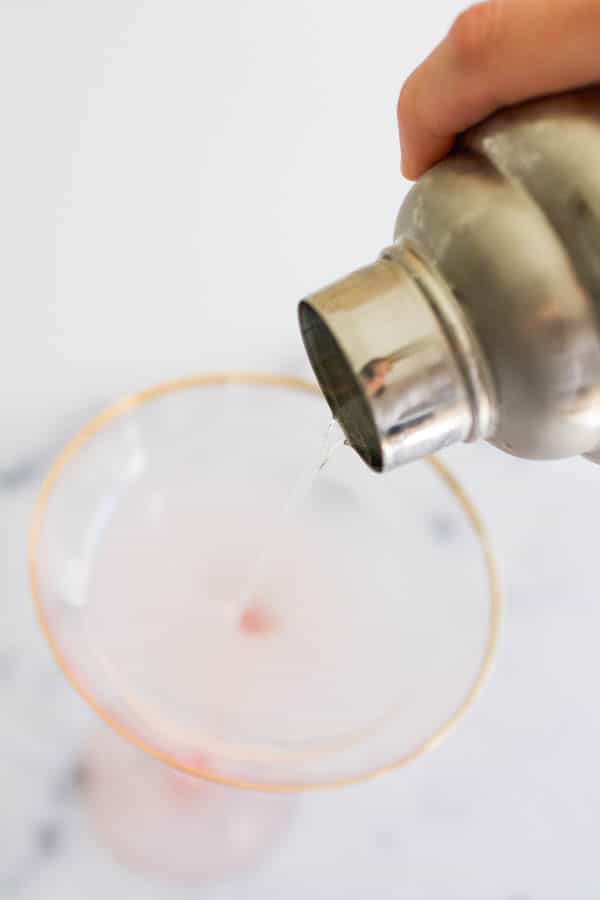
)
(255, 618)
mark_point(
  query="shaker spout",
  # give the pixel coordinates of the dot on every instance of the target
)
(388, 365)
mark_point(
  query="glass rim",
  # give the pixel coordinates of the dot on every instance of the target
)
(131, 401)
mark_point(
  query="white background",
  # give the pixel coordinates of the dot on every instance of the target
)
(174, 177)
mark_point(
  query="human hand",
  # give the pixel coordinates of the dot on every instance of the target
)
(496, 54)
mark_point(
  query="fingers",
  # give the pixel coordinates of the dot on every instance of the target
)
(496, 54)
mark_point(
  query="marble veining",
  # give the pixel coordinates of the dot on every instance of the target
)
(175, 177)
(538, 706)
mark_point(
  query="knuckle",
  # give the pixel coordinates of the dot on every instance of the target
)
(476, 33)
(410, 107)
(404, 107)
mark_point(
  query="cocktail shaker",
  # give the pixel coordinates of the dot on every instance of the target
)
(482, 319)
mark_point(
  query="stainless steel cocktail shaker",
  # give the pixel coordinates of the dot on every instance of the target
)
(482, 319)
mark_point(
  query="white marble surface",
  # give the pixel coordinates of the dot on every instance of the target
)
(175, 176)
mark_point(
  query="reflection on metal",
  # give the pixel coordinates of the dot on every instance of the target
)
(482, 320)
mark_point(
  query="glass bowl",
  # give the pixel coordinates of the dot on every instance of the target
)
(250, 607)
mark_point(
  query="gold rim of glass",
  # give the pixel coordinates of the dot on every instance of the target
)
(127, 403)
